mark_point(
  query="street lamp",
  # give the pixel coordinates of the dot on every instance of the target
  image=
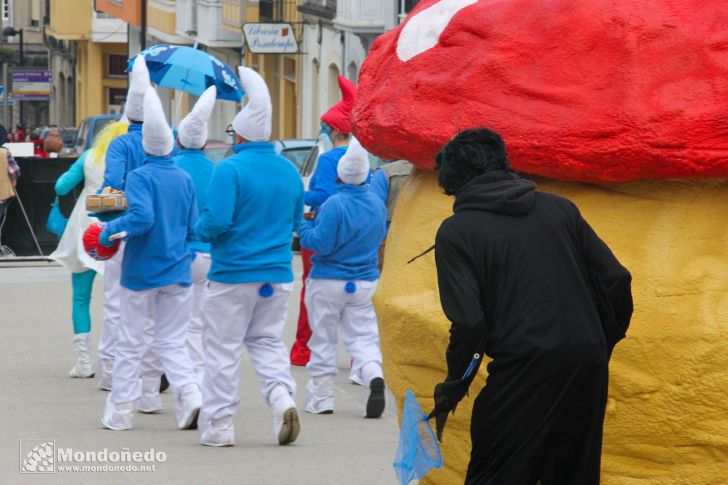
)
(11, 32)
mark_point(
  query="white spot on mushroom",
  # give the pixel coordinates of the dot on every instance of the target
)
(422, 32)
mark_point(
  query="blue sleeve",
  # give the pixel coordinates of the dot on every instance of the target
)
(192, 218)
(139, 217)
(320, 234)
(217, 216)
(72, 177)
(323, 181)
(298, 214)
(380, 185)
(116, 156)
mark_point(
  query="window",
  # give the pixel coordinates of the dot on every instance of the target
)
(117, 96)
(35, 13)
(116, 65)
(5, 5)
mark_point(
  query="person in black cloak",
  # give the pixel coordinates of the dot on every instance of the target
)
(524, 280)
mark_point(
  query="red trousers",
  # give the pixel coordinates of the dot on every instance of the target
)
(300, 352)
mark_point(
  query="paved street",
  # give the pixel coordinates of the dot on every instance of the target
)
(39, 401)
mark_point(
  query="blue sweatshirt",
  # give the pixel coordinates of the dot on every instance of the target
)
(323, 181)
(254, 204)
(125, 153)
(380, 185)
(346, 234)
(159, 222)
(72, 177)
(199, 168)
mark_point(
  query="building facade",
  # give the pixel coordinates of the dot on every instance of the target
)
(337, 37)
(89, 47)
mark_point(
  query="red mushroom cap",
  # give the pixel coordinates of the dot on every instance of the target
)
(596, 91)
(339, 115)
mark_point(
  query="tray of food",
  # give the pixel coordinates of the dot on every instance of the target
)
(109, 200)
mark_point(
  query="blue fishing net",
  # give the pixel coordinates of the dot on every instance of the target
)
(418, 450)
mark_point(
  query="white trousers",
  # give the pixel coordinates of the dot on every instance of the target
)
(112, 305)
(235, 316)
(170, 306)
(200, 269)
(330, 308)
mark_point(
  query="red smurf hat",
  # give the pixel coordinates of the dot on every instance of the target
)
(338, 116)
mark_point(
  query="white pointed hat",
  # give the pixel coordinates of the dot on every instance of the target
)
(138, 84)
(254, 122)
(353, 168)
(192, 131)
(157, 138)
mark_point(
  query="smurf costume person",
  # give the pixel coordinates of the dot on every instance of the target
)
(345, 237)
(336, 123)
(192, 138)
(125, 153)
(254, 204)
(155, 275)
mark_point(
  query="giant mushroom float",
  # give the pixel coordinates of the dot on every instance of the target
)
(620, 106)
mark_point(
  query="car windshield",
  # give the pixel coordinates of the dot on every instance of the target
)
(99, 125)
(296, 155)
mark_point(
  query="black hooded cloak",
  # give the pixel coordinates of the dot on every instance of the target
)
(523, 278)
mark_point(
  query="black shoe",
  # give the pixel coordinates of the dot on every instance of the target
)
(375, 403)
(163, 383)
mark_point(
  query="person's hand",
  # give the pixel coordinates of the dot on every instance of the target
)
(447, 396)
(104, 239)
(309, 216)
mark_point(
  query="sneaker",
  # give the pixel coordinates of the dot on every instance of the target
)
(286, 424)
(118, 416)
(375, 403)
(187, 407)
(218, 432)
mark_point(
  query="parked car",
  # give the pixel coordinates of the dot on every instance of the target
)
(89, 128)
(217, 150)
(296, 150)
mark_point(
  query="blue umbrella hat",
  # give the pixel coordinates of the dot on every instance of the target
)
(190, 70)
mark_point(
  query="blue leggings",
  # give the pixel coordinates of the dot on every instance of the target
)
(82, 283)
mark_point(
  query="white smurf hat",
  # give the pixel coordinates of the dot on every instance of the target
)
(254, 122)
(157, 138)
(192, 132)
(353, 168)
(138, 84)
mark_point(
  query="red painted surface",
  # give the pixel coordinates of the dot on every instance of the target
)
(589, 90)
(93, 247)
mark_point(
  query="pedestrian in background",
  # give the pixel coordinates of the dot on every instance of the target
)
(191, 138)
(336, 123)
(254, 205)
(89, 170)
(155, 276)
(345, 237)
(9, 175)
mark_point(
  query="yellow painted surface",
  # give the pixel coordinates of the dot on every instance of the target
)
(91, 81)
(667, 414)
(70, 19)
(162, 19)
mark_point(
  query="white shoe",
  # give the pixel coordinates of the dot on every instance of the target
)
(286, 425)
(218, 432)
(187, 407)
(150, 402)
(105, 369)
(84, 364)
(319, 395)
(118, 416)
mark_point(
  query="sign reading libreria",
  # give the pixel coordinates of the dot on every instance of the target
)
(277, 38)
(31, 85)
